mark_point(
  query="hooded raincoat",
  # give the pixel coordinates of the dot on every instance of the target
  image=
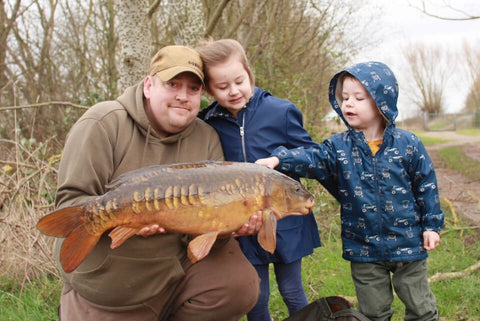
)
(388, 199)
(262, 125)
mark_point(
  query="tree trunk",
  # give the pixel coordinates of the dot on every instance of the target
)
(134, 40)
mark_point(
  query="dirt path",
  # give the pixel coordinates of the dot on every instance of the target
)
(461, 191)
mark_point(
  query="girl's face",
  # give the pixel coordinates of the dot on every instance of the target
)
(230, 85)
(358, 107)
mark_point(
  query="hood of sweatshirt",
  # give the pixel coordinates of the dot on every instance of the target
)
(378, 80)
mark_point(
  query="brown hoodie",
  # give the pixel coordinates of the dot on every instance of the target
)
(111, 138)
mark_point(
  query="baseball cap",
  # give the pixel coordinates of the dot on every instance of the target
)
(173, 60)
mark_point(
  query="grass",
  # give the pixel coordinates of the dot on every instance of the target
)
(428, 140)
(36, 300)
(469, 132)
(455, 159)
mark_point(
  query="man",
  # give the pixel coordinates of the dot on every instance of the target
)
(150, 277)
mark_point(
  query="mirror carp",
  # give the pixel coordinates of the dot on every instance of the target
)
(207, 199)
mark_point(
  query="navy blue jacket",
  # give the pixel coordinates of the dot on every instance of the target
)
(387, 200)
(265, 123)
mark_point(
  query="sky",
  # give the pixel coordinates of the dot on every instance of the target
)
(401, 24)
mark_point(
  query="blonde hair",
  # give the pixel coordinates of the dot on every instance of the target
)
(219, 51)
(339, 89)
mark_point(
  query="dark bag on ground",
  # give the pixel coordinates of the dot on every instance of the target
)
(328, 308)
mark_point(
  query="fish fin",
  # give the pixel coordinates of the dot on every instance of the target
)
(200, 246)
(61, 222)
(120, 234)
(267, 237)
(277, 213)
(76, 247)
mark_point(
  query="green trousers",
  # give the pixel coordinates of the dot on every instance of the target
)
(373, 284)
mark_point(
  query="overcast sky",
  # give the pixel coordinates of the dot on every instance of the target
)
(401, 24)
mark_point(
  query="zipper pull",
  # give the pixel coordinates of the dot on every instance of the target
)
(242, 131)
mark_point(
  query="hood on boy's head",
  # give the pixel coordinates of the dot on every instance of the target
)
(380, 83)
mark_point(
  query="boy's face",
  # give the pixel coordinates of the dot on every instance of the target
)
(230, 84)
(358, 107)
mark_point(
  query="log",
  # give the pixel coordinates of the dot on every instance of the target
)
(454, 275)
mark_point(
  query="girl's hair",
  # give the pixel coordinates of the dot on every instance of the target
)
(215, 52)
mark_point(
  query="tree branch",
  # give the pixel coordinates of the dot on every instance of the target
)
(467, 16)
(215, 18)
(153, 8)
(454, 275)
(64, 103)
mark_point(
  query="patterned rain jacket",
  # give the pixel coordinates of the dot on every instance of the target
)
(387, 200)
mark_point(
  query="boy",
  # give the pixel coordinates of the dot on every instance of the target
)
(386, 185)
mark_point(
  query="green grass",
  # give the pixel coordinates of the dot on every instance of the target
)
(455, 159)
(469, 132)
(37, 300)
(428, 140)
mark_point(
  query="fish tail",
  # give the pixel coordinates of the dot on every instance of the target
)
(61, 222)
(76, 247)
(67, 222)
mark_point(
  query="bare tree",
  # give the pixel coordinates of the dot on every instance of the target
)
(87, 50)
(462, 14)
(6, 25)
(472, 61)
(429, 67)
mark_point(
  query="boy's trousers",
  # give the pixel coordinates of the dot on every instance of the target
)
(373, 284)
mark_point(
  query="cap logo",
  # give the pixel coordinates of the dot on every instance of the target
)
(194, 64)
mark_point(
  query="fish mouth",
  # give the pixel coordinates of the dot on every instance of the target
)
(310, 203)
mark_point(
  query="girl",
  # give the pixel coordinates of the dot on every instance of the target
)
(251, 123)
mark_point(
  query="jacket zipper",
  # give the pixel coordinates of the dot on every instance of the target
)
(242, 135)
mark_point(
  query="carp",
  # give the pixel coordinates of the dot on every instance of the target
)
(205, 199)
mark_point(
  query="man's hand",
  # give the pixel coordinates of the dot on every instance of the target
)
(151, 230)
(431, 239)
(252, 226)
(270, 162)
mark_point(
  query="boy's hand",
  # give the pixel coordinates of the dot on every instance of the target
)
(431, 239)
(270, 162)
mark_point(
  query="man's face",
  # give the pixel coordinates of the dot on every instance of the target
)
(172, 105)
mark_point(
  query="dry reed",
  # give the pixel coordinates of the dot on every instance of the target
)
(27, 189)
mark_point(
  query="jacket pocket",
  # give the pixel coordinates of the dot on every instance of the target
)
(121, 281)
